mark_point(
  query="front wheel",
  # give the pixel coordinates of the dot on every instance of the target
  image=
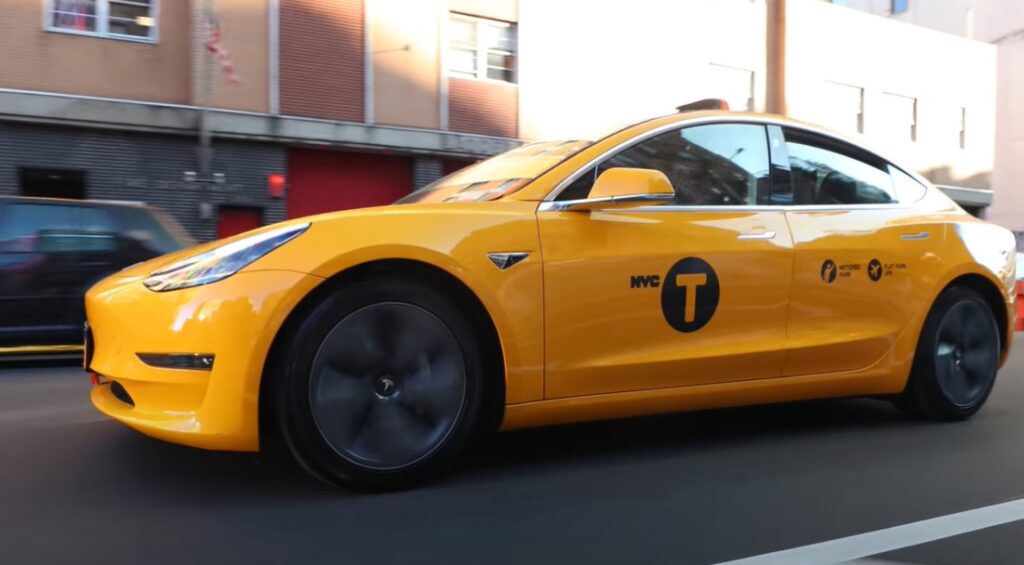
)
(381, 385)
(956, 360)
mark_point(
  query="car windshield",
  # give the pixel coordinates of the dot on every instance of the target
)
(498, 176)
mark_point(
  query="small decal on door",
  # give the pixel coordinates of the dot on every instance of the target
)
(829, 271)
(875, 270)
(644, 281)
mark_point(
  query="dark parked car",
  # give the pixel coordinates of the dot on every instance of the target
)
(52, 251)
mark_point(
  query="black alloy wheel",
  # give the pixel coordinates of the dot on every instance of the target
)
(957, 358)
(381, 386)
(387, 385)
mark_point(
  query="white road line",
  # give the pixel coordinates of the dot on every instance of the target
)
(890, 539)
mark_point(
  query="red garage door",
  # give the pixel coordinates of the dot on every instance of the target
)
(325, 181)
(449, 166)
(235, 220)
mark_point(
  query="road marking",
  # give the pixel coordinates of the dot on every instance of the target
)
(859, 546)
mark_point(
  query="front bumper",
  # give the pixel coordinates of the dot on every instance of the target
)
(235, 319)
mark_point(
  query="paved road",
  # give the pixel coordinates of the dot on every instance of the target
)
(696, 488)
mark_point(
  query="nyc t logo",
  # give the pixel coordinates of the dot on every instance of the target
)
(689, 293)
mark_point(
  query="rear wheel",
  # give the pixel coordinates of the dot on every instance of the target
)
(956, 360)
(380, 386)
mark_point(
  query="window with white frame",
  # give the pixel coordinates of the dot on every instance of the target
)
(963, 127)
(897, 117)
(734, 85)
(482, 49)
(842, 107)
(121, 19)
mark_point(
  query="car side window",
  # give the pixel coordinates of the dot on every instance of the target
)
(709, 165)
(824, 172)
(907, 188)
(142, 233)
(54, 228)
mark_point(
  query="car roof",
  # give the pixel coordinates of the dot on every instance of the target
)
(74, 202)
(549, 182)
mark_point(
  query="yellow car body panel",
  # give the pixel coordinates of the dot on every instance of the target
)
(236, 320)
(582, 320)
(606, 331)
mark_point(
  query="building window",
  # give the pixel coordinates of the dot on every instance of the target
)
(119, 19)
(963, 127)
(913, 121)
(735, 86)
(843, 107)
(481, 48)
(897, 117)
(900, 6)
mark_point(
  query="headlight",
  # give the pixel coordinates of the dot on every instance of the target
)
(220, 263)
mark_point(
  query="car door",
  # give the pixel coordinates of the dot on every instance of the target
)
(860, 255)
(689, 293)
(49, 252)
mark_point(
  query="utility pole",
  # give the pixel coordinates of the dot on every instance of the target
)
(204, 77)
(776, 63)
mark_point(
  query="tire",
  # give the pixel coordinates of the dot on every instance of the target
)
(380, 387)
(956, 360)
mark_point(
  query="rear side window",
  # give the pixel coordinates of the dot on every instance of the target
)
(709, 165)
(831, 173)
(142, 229)
(907, 188)
(55, 228)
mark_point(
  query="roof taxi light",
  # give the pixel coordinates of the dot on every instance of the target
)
(705, 104)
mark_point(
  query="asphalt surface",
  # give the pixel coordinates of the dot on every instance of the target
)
(694, 488)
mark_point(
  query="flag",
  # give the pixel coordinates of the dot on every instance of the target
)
(220, 54)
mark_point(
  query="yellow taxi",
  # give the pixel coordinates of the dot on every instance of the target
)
(698, 260)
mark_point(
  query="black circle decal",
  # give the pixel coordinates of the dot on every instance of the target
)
(689, 294)
(828, 270)
(875, 270)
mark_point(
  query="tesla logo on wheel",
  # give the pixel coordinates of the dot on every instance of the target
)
(689, 294)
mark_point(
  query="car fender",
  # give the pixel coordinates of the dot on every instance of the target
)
(457, 239)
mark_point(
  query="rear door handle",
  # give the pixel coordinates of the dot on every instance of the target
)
(757, 236)
(922, 235)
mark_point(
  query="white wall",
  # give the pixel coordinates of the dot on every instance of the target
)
(830, 45)
(1008, 176)
(984, 20)
(1000, 22)
(588, 67)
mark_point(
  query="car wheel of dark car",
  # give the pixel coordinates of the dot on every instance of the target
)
(956, 360)
(381, 385)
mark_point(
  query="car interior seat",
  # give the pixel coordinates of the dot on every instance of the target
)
(837, 188)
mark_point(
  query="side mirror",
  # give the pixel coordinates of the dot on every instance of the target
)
(623, 188)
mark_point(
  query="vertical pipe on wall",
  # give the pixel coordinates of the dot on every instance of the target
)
(274, 56)
(442, 58)
(368, 89)
(776, 50)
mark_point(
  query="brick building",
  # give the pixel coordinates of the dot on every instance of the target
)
(103, 100)
(358, 102)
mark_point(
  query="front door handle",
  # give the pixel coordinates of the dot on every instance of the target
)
(757, 236)
(922, 235)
